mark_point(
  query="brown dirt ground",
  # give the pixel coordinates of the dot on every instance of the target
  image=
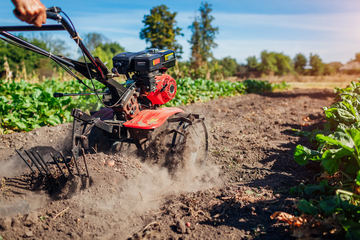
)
(247, 178)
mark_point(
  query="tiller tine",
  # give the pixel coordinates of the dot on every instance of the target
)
(25, 160)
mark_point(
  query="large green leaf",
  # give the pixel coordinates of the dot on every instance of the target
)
(311, 189)
(332, 141)
(355, 136)
(357, 180)
(307, 207)
(303, 154)
(352, 234)
(331, 159)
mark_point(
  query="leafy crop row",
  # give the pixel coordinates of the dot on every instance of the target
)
(339, 154)
(25, 106)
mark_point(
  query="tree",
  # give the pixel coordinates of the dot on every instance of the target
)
(299, 63)
(316, 64)
(229, 66)
(203, 36)
(101, 47)
(357, 57)
(196, 59)
(252, 63)
(160, 29)
(268, 62)
(275, 63)
(106, 51)
(283, 64)
(92, 40)
(55, 45)
(21, 60)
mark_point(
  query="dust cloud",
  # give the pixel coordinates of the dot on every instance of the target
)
(147, 190)
(12, 167)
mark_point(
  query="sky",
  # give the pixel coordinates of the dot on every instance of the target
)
(329, 28)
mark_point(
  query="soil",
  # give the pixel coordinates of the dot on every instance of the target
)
(247, 177)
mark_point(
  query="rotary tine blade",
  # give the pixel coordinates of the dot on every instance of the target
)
(57, 164)
(66, 164)
(24, 160)
(34, 161)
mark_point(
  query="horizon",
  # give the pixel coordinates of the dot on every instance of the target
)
(328, 28)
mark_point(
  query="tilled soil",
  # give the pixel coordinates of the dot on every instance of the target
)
(248, 175)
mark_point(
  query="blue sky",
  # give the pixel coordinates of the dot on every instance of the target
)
(329, 28)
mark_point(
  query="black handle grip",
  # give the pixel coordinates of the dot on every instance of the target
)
(56, 95)
(51, 13)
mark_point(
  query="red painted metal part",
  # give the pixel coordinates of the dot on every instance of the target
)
(165, 90)
(150, 119)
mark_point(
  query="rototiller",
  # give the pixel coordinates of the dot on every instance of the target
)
(131, 110)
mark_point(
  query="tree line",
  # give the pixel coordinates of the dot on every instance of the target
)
(161, 31)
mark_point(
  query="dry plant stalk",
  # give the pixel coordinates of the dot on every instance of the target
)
(9, 73)
(61, 212)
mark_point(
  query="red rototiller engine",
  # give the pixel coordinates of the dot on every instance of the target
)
(132, 110)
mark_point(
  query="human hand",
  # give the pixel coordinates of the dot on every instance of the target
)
(31, 11)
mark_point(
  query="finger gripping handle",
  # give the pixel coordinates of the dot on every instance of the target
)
(17, 13)
(51, 13)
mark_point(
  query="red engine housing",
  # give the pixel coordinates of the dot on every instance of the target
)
(165, 90)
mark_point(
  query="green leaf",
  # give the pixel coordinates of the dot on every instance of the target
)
(329, 205)
(303, 154)
(37, 92)
(358, 178)
(321, 138)
(310, 189)
(331, 159)
(54, 120)
(307, 207)
(355, 136)
(21, 125)
(352, 234)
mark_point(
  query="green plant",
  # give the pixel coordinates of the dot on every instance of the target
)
(338, 152)
(25, 106)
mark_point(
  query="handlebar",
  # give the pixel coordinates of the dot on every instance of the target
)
(49, 12)
(53, 13)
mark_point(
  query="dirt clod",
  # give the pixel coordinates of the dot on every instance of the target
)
(5, 223)
(32, 218)
(180, 226)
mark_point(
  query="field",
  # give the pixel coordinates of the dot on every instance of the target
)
(246, 179)
(319, 82)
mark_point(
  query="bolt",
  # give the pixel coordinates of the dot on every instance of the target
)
(80, 114)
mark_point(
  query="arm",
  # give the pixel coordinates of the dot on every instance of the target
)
(31, 11)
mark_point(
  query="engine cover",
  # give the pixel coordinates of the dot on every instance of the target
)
(165, 90)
